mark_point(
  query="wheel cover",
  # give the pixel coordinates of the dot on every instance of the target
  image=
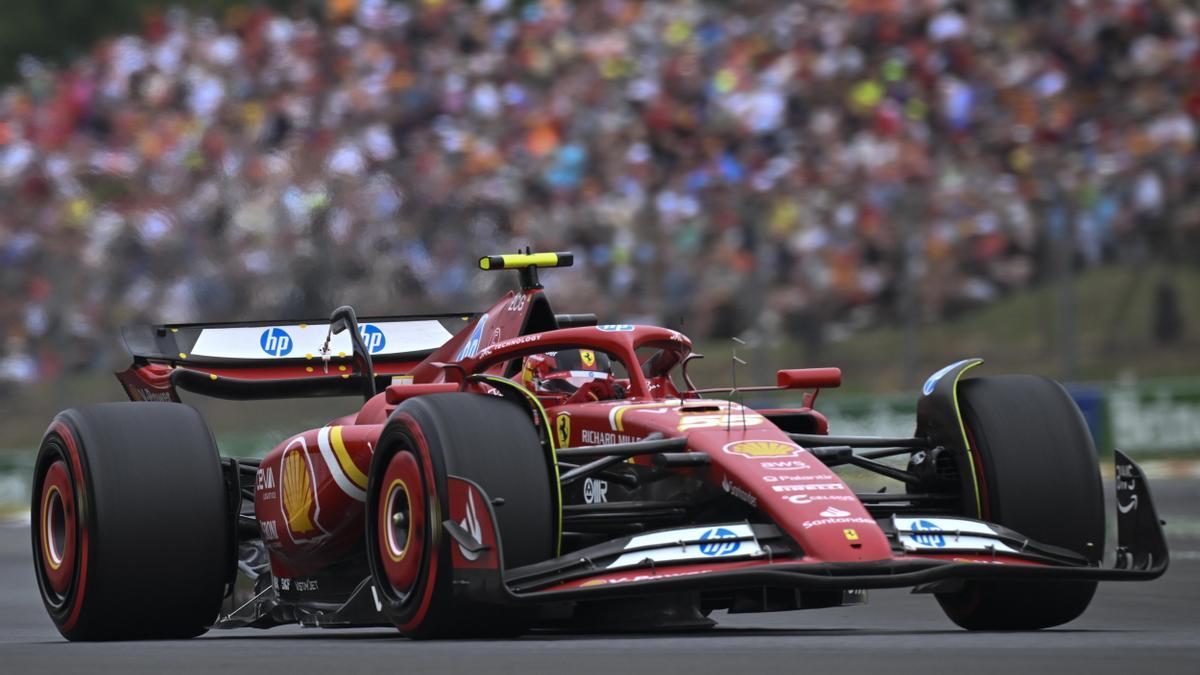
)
(402, 523)
(57, 528)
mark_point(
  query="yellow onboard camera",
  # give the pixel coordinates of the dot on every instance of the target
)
(526, 264)
(517, 261)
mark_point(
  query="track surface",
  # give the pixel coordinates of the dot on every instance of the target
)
(1135, 627)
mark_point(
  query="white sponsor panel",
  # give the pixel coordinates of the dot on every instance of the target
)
(938, 533)
(772, 478)
(808, 487)
(714, 542)
(296, 341)
(807, 498)
(809, 524)
(784, 465)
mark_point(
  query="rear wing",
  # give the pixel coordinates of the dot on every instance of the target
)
(275, 359)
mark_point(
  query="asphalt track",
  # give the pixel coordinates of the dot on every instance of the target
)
(1130, 628)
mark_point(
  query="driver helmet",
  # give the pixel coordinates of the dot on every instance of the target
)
(564, 371)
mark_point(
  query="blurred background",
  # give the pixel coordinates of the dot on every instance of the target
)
(881, 185)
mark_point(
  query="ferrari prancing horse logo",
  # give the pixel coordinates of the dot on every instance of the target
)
(562, 428)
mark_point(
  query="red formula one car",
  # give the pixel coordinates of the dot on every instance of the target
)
(518, 469)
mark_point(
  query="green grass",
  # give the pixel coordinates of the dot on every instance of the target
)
(1015, 334)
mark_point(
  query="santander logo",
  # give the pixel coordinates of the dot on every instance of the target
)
(834, 512)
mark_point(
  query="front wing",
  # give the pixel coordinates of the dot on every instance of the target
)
(691, 559)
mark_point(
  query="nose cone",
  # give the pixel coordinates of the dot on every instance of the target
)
(799, 493)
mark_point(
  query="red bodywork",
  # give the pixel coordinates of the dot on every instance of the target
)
(750, 455)
(310, 491)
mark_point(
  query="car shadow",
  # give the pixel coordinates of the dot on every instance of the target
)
(552, 636)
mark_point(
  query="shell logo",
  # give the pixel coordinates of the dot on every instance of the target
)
(593, 582)
(756, 449)
(297, 492)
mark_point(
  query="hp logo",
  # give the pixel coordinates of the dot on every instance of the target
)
(471, 346)
(928, 539)
(372, 337)
(719, 542)
(276, 342)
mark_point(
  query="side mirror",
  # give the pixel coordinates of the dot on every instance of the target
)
(809, 378)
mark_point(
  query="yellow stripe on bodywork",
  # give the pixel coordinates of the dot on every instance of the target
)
(966, 442)
(616, 415)
(336, 463)
(343, 457)
(541, 410)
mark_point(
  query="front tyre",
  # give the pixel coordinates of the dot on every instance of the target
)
(130, 528)
(1037, 472)
(487, 440)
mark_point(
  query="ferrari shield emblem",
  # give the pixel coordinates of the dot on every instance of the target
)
(562, 429)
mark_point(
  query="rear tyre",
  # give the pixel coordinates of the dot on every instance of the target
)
(130, 530)
(1037, 472)
(482, 438)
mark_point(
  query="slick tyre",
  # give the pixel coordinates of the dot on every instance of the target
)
(1037, 473)
(484, 439)
(131, 532)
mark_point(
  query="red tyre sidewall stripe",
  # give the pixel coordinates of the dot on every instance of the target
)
(58, 479)
(981, 479)
(422, 446)
(81, 507)
(402, 469)
(976, 594)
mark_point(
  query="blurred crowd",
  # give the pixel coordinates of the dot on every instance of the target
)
(792, 167)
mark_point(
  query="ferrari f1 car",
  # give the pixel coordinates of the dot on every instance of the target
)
(519, 469)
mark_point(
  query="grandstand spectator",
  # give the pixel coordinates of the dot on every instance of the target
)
(769, 162)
